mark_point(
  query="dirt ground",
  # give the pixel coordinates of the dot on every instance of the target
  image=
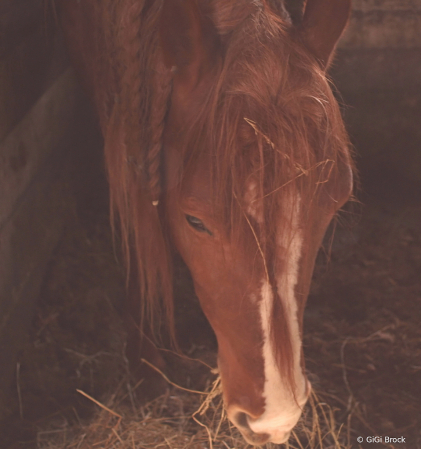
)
(362, 324)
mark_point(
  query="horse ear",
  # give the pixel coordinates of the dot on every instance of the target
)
(322, 25)
(188, 41)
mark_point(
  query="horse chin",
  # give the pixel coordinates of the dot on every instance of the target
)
(254, 438)
(280, 439)
(258, 439)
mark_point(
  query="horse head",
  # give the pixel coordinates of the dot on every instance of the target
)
(256, 166)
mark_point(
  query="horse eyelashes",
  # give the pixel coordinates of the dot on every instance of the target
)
(197, 224)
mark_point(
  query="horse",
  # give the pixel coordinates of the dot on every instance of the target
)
(223, 142)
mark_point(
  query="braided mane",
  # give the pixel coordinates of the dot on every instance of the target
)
(131, 90)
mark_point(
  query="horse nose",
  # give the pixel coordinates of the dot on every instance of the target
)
(271, 423)
(244, 422)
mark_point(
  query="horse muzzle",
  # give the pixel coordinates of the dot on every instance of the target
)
(273, 426)
(244, 424)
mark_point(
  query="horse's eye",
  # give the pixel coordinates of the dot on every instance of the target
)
(197, 224)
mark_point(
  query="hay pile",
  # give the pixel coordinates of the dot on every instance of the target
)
(182, 419)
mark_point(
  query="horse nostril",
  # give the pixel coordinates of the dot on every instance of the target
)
(241, 420)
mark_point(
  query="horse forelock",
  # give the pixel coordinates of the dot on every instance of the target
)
(270, 102)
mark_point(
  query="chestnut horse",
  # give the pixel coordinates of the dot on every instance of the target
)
(223, 140)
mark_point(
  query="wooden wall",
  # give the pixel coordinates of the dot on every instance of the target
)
(381, 49)
(378, 72)
(38, 101)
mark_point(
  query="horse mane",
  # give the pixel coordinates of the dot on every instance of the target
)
(270, 117)
(131, 94)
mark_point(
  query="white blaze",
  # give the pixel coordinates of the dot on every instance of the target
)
(254, 204)
(281, 409)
